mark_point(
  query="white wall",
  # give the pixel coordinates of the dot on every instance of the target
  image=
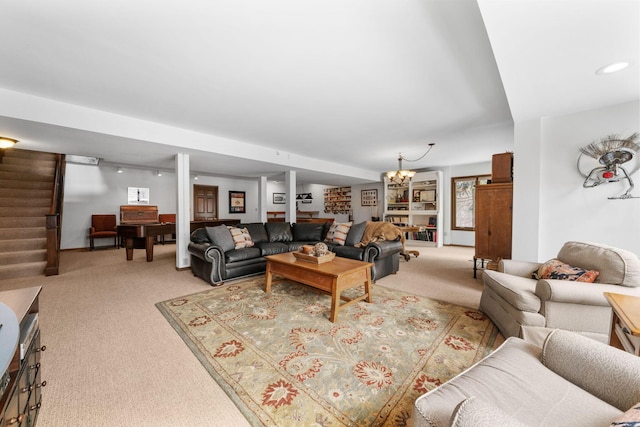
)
(316, 205)
(364, 213)
(565, 210)
(526, 191)
(550, 204)
(101, 190)
(225, 185)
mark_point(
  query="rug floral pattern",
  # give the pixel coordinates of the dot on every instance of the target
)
(282, 361)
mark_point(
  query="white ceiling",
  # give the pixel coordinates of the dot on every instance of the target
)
(250, 87)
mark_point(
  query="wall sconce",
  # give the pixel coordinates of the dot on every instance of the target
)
(195, 177)
(158, 173)
(119, 170)
(7, 142)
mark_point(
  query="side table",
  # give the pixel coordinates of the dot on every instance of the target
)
(625, 325)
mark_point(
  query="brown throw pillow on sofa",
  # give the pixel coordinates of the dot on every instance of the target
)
(629, 418)
(556, 269)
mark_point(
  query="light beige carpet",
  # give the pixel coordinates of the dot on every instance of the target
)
(113, 360)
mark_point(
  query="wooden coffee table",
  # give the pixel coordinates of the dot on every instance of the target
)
(332, 277)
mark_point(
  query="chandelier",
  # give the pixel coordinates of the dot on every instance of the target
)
(401, 175)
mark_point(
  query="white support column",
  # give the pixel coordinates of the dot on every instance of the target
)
(183, 211)
(290, 189)
(262, 199)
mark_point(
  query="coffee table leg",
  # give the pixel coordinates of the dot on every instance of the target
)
(367, 286)
(335, 301)
(267, 282)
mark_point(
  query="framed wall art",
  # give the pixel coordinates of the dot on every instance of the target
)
(137, 196)
(237, 202)
(369, 197)
(279, 198)
(428, 195)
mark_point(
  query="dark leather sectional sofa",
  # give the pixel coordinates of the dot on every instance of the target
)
(215, 260)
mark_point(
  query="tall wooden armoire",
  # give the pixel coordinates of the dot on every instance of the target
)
(494, 214)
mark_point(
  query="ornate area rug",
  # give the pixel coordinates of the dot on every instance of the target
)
(282, 361)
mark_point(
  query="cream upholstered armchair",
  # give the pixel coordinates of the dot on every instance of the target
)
(569, 380)
(512, 298)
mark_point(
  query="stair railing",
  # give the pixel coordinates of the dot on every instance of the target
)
(54, 219)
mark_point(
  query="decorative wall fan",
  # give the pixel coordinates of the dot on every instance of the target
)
(604, 159)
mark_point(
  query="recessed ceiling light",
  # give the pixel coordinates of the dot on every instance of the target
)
(612, 68)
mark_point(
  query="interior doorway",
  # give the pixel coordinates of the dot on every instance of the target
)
(205, 202)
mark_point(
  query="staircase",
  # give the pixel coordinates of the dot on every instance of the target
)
(26, 188)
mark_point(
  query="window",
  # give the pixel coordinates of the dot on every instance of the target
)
(463, 200)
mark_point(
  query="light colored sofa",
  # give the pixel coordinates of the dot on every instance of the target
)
(512, 299)
(572, 380)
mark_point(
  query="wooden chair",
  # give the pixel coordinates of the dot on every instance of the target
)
(103, 226)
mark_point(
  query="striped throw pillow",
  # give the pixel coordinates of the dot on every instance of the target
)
(338, 233)
(241, 237)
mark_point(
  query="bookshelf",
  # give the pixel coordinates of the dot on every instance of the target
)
(337, 200)
(417, 203)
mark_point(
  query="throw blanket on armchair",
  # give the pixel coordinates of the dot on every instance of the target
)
(378, 231)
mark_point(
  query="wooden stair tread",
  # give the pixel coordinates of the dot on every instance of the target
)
(22, 270)
(23, 211)
(11, 233)
(25, 176)
(19, 192)
(28, 154)
(7, 182)
(23, 257)
(29, 168)
(12, 245)
(25, 202)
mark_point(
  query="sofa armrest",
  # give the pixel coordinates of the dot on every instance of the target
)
(381, 249)
(208, 262)
(606, 372)
(206, 252)
(518, 268)
(566, 291)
